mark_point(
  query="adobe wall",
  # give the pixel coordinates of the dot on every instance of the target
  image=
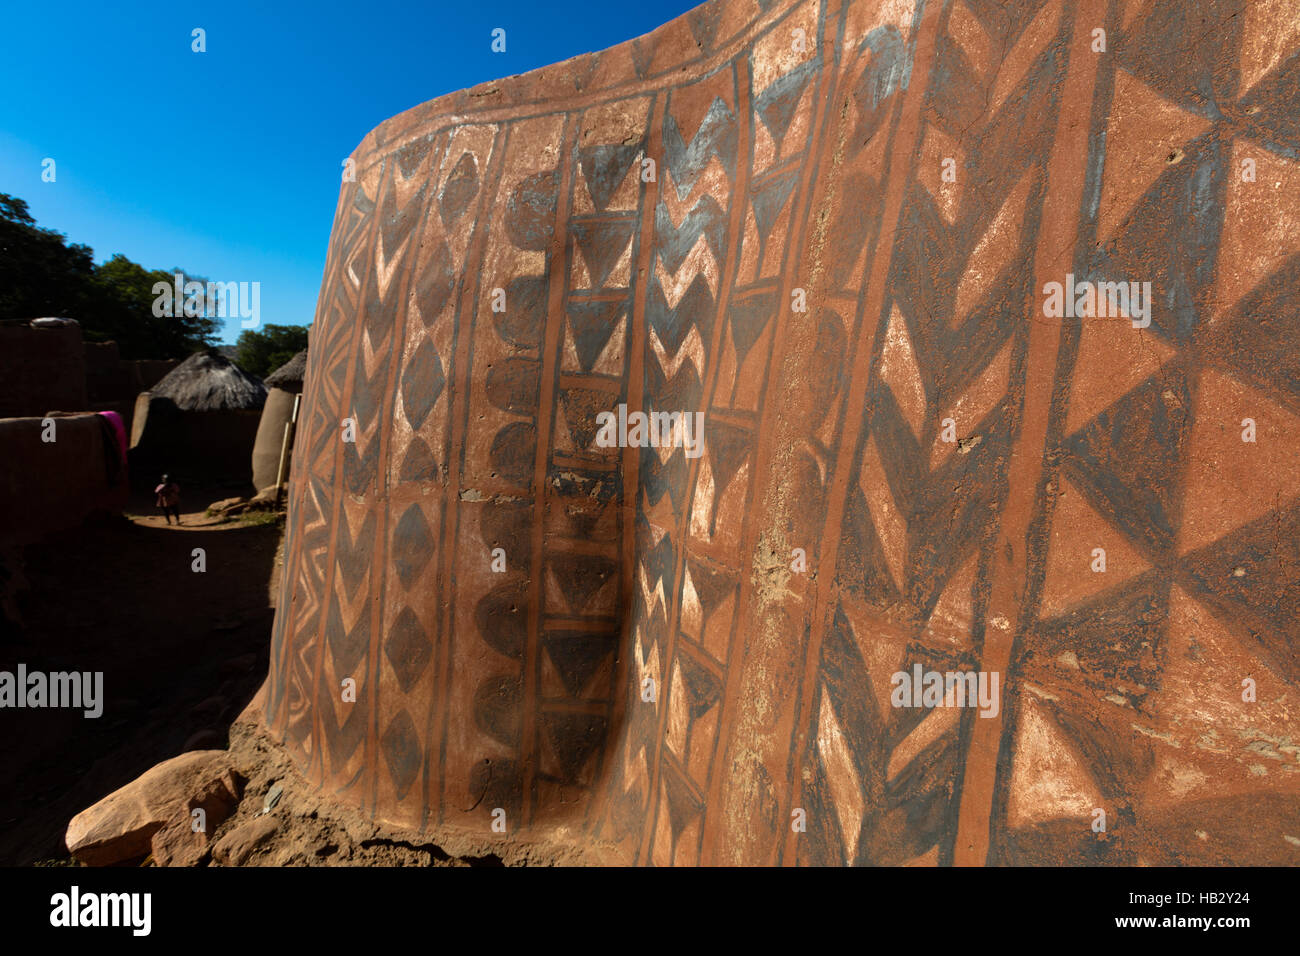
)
(277, 413)
(869, 255)
(41, 370)
(48, 486)
(110, 379)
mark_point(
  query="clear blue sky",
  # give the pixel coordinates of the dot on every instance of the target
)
(227, 163)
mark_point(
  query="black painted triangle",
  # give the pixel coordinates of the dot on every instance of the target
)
(577, 655)
(703, 21)
(712, 587)
(1128, 460)
(586, 498)
(703, 687)
(602, 242)
(461, 187)
(728, 448)
(1249, 577)
(344, 737)
(346, 647)
(862, 567)
(419, 464)
(683, 805)
(657, 560)
(749, 318)
(1117, 637)
(574, 738)
(593, 323)
(397, 223)
(605, 167)
(580, 576)
(776, 104)
(769, 199)
(1260, 340)
(411, 155)
(354, 554)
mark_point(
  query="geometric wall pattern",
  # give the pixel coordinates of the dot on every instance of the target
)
(919, 169)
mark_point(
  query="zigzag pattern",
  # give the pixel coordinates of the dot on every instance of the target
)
(837, 252)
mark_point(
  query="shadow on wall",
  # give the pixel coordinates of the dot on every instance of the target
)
(41, 369)
(60, 468)
(181, 654)
(195, 447)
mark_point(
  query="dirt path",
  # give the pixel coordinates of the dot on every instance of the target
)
(181, 650)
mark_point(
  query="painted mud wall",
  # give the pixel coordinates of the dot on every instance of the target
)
(911, 462)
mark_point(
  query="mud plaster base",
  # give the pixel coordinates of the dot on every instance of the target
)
(316, 830)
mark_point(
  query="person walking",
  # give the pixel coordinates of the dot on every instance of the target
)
(169, 499)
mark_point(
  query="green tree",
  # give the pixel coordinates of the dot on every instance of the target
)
(41, 274)
(261, 351)
(126, 312)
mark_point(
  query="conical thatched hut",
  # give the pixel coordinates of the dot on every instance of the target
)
(284, 385)
(200, 421)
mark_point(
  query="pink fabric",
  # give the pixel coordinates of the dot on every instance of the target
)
(120, 429)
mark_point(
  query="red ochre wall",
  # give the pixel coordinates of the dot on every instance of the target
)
(691, 660)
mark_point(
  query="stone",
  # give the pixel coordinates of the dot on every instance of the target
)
(264, 500)
(237, 844)
(120, 828)
(842, 234)
(273, 796)
(184, 840)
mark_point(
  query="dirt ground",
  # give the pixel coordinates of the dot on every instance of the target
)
(181, 651)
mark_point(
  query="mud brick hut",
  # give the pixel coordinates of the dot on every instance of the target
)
(284, 385)
(200, 422)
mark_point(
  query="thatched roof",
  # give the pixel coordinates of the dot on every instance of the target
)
(208, 381)
(289, 376)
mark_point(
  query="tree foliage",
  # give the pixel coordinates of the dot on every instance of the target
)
(261, 351)
(42, 274)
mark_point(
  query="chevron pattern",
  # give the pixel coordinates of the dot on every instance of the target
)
(827, 229)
